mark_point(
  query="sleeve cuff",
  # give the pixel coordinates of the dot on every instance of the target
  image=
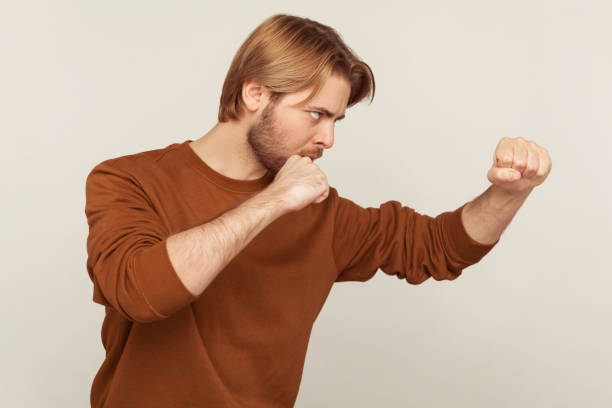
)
(160, 284)
(466, 247)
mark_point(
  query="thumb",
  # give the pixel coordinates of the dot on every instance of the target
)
(503, 175)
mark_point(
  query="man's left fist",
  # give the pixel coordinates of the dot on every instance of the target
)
(519, 165)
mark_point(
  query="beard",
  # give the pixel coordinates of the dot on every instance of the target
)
(268, 143)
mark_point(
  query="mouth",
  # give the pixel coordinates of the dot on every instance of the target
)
(314, 157)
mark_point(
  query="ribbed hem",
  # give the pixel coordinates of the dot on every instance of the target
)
(161, 286)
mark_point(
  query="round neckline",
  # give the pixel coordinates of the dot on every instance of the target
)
(236, 185)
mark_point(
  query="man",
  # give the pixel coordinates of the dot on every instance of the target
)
(214, 257)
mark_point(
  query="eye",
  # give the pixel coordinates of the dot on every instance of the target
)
(316, 113)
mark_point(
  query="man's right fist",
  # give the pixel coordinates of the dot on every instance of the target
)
(298, 183)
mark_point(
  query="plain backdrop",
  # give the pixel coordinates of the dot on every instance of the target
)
(530, 325)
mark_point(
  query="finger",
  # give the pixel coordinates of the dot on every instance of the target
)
(498, 175)
(519, 161)
(504, 153)
(545, 163)
(323, 196)
(533, 161)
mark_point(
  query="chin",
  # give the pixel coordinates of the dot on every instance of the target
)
(274, 165)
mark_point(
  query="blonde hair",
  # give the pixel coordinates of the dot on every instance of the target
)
(288, 54)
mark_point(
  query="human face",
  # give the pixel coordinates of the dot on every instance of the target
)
(283, 130)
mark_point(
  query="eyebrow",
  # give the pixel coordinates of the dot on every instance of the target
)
(327, 113)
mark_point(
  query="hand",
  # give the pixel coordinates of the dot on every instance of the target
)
(298, 183)
(519, 165)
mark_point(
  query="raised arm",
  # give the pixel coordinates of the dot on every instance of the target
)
(200, 253)
(518, 166)
(146, 274)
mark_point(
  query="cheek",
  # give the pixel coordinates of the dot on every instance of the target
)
(296, 132)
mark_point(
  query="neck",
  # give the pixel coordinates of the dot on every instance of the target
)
(226, 150)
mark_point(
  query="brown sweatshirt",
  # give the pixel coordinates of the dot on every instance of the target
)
(243, 341)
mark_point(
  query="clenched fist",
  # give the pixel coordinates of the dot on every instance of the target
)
(298, 183)
(519, 165)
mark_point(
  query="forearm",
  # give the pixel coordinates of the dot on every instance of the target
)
(488, 215)
(200, 253)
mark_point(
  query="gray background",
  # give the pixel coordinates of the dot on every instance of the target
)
(530, 325)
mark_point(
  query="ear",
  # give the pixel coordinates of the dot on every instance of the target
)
(254, 95)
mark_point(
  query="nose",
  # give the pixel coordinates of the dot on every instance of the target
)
(326, 136)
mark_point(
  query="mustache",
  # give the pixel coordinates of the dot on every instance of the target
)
(316, 154)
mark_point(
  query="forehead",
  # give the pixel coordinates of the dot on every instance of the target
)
(333, 95)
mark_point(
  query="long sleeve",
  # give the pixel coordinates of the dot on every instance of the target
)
(400, 241)
(128, 262)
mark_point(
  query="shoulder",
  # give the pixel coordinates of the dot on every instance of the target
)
(136, 165)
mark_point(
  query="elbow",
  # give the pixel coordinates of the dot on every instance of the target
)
(122, 295)
(417, 274)
(143, 287)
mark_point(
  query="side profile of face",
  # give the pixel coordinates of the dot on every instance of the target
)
(283, 130)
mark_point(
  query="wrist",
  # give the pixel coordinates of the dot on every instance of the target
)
(272, 201)
(499, 196)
